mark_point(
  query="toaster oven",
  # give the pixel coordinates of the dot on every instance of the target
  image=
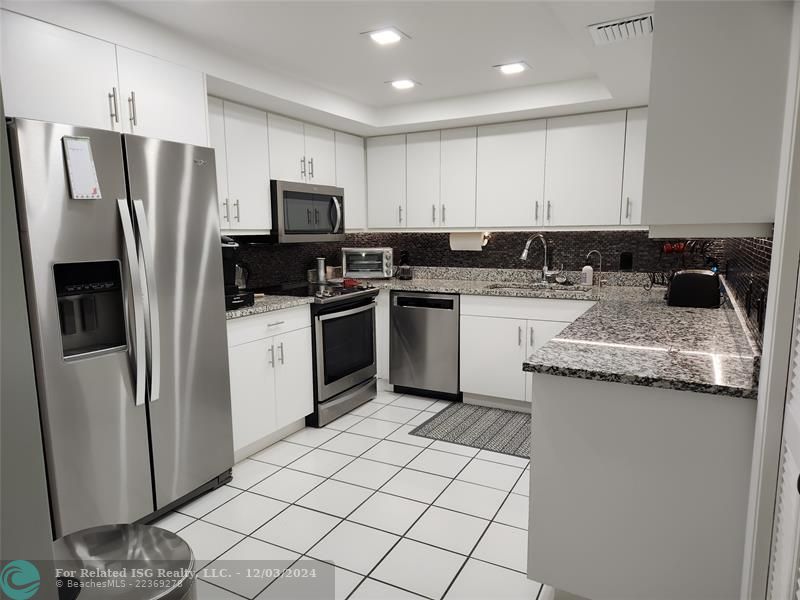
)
(367, 263)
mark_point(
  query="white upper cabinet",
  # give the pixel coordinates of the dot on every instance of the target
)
(53, 74)
(633, 171)
(423, 170)
(161, 99)
(351, 176)
(320, 155)
(287, 149)
(249, 206)
(583, 175)
(386, 181)
(301, 152)
(715, 120)
(510, 175)
(459, 156)
(216, 138)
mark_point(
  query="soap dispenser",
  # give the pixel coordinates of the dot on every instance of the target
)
(587, 274)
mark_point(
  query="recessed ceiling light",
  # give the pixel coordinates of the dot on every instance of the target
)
(403, 84)
(512, 68)
(386, 36)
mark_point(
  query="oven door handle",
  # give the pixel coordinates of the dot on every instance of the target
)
(346, 313)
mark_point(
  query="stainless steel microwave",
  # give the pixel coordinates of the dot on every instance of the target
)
(303, 212)
(367, 263)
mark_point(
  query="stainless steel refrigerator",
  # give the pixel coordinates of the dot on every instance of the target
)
(123, 275)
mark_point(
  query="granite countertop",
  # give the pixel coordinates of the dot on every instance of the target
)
(631, 336)
(265, 304)
(628, 336)
(488, 288)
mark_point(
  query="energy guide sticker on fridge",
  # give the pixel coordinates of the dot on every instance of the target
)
(83, 182)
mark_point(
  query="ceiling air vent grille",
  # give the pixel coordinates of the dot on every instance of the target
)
(621, 30)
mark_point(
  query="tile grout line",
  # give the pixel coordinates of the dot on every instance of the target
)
(371, 495)
(411, 527)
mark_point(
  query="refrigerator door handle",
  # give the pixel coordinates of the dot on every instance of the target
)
(138, 308)
(154, 349)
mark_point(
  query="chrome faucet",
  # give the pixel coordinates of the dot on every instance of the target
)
(524, 256)
(600, 272)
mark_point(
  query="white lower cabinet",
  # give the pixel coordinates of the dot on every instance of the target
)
(492, 352)
(252, 392)
(498, 334)
(271, 375)
(538, 334)
(294, 383)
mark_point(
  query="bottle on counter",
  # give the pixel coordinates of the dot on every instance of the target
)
(587, 274)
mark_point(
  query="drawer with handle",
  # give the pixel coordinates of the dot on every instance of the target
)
(258, 327)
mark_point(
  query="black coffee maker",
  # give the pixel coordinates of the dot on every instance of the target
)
(235, 274)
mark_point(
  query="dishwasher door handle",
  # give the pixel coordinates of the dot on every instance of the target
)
(425, 301)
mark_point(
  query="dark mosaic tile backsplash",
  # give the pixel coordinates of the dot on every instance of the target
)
(747, 272)
(744, 260)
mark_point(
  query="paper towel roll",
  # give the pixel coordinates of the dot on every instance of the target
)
(468, 240)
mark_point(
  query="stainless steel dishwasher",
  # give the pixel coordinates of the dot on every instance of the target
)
(423, 349)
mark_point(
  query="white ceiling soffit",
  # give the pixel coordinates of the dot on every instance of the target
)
(309, 59)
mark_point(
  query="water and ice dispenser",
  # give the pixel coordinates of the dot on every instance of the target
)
(90, 306)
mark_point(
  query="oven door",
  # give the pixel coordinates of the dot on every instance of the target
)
(345, 349)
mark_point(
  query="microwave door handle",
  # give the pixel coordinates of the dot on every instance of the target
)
(154, 349)
(338, 208)
(138, 308)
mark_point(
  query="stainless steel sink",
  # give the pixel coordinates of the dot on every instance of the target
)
(541, 285)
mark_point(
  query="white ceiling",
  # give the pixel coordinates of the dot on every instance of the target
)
(452, 48)
(451, 51)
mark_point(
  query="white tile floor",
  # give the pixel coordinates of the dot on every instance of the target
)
(401, 516)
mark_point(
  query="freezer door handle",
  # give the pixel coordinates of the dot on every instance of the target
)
(154, 339)
(138, 308)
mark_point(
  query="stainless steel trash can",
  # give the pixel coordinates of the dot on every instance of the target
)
(125, 562)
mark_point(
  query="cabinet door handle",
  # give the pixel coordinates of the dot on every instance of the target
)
(308, 215)
(400, 214)
(303, 166)
(275, 324)
(433, 213)
(548, 211)
(628, 207)
(236, 206)
(112, 105)
(280, 352)
(316, 216)
(227, 211)
(444, 214)
(311, 167)
(519, 335)
(536, 213)
(272, 356)
(132, 108)
(531, 338)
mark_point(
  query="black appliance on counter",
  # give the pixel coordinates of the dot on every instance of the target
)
(343, 342)
(235, 273)
(696, 288)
